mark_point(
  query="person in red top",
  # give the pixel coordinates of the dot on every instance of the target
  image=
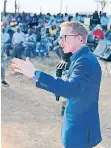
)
(98, 32)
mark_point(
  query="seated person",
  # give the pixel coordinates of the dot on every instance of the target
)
(4, 41)
(43, 30)
(104, 21)
(42, 47)
(98, 32)
(48, 38)
(108, 34)
(90, 39)
(17, 40)
(38, 34)
(52, 31)
(57, 31)
(30, 43)
(9, 45)
(90, 36)
(24, 27)
(47, 33)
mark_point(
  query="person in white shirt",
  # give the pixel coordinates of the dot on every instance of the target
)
(65, 17)
(104, 21)
(30, 37)
(30, 43)
(4, 39)
(5, 19)
(77, 17)
(17, 40)
(109, 24)
(18, 36)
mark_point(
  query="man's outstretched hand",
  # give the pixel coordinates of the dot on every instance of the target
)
(24, 67)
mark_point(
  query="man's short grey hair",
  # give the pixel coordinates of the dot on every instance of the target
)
(77, 27)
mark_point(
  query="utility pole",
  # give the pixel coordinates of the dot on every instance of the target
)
(103, 3)
(97, 1)
(40, 9)
(66, 8)
(18, 6)
(5, 1)
(97, 6)
(61, 3)
(15, 6)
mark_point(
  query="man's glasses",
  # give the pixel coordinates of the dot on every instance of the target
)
(63, 37)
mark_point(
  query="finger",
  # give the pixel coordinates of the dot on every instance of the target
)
(15, 66)
(17, 70)
(27, 60)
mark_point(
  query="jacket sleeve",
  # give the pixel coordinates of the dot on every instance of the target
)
(74, 86)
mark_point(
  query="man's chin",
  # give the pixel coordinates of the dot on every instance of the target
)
(65, 51)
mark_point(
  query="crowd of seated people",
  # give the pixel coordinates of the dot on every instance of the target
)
(38, 34)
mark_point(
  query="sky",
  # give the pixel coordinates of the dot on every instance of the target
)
(53, 6)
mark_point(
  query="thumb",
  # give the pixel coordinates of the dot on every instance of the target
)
(27, 60)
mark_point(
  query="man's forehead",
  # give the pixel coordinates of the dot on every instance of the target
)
(66, 30)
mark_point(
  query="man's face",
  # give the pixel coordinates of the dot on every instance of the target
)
(69, 40)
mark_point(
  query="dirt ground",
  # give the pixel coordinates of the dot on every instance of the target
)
(31, 117)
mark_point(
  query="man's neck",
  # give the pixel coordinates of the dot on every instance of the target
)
(79, 47)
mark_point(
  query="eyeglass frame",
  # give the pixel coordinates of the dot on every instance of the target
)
(61, 37)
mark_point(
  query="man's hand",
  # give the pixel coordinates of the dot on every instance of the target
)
(24, 67)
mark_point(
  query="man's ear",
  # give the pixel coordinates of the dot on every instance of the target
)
(80, 38)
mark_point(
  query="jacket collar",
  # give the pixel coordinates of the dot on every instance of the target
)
(79, 53)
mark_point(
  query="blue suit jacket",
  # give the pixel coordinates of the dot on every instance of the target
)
(81, 125)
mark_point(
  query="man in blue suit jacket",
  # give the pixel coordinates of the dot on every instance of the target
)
(81, 124)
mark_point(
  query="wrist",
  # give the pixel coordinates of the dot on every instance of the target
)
(37, 74)
(34, 73)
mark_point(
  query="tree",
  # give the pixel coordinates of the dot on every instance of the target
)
(102, 3)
